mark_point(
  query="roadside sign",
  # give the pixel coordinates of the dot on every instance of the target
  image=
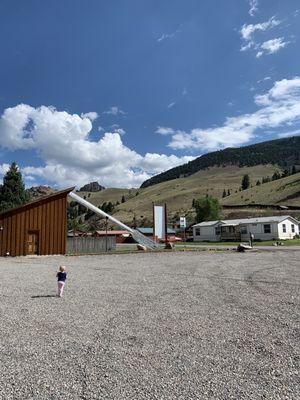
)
(182, 222)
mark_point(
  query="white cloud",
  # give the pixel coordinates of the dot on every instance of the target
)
(274, 45)
(247, 31)
(267, 47)
(114, 110)
(279, 108)
(288, 134)
(63, 142)
(267, 78)
(90, 115)
(165, 36)
(253, 7)
(162, 130)
(3, 169)
(155, 163)
(171, 105)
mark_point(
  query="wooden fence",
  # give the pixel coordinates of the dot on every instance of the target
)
(90, 245)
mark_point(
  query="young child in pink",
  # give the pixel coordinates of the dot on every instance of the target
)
(61, 280)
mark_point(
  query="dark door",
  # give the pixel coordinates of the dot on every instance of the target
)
(32, 243)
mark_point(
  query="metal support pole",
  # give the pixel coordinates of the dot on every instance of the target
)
(106, 222)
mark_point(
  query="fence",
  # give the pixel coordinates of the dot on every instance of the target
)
(90, 245)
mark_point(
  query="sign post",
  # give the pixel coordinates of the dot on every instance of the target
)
(182, 225)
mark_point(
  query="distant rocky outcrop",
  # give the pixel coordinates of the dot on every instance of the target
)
(91, 187)
(39, 191)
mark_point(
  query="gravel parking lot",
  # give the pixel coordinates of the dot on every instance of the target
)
(193, 325)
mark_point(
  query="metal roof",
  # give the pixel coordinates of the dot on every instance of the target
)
(245, 221)
(208, 223)
(150, 230)
(37, 201)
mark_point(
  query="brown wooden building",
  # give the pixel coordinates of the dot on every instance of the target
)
(38, 227)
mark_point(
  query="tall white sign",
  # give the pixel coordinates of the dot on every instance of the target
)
(159, 221)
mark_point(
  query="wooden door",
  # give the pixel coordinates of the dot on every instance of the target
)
(32, 243)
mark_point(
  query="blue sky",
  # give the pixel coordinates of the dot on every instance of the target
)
(119, 91)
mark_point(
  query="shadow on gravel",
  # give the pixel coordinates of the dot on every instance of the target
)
(43, 296)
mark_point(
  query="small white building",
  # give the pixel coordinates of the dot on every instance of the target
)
(263, 228)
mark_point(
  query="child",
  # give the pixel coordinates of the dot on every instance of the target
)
(61, 279)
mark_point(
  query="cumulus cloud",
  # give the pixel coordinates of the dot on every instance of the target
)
(3, 169)
(279, 108)
(90, 115)
(70, 157)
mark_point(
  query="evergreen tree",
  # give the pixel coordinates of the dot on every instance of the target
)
(258, 183)
(224, 193)
(123, 199)
(245, 182)
(276, 176)
(13, 192)
(285, 173)
(228, 192)
(207, 209)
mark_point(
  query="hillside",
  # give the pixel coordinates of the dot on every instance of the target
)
(282, 152)
(285, 191)
(178, 193)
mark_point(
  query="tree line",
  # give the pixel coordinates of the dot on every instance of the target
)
(283, 152)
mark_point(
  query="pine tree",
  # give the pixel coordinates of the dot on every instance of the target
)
(245, 182)
(13, 191)
(224, 193)
(123, 199)
(228, 192)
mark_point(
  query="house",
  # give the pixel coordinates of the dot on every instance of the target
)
(263, 228)
(38, 227)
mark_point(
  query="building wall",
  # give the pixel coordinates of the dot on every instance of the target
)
(46, 217)
(276, 231)
(207, 233)
(288, 227)
(258, 231)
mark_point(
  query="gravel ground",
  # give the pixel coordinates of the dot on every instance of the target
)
(197, 325)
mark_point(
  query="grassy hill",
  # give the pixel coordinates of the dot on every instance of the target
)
(282, 152)
(177, 193)
(285, 191)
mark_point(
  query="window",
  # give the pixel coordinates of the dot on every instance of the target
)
(218, 230)
(243, 230)
(197, 232)
(284, 228)
(267, 228)
(293, 228)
